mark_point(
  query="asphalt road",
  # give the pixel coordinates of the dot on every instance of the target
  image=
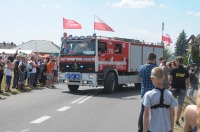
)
(58, 110)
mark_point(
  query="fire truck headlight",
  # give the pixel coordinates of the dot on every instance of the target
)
(68, 76)
(77, 76)
(60, 75)
(90, 76)
(72, 76)
(67, 66)
(81, 66)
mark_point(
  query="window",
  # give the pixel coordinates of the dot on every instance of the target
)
(118, 49)
(102, 47)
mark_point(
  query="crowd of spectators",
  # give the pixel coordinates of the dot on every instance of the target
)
(22, 71)
(165, 86)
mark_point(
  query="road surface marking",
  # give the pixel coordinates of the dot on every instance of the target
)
(82, 97)
(79, 99)
(39, 120)
(89, 97)
(64, 108)
(26, 130)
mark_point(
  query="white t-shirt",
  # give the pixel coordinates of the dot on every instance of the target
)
(8, 71)
(159, 118)
(33, 69)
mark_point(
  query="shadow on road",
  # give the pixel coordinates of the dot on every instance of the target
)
(125, 93)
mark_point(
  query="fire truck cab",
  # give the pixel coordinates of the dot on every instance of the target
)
(103, 61)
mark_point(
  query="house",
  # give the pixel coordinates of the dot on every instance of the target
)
(40, 47)
(5, 45)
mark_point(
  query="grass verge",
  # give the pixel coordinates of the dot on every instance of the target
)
(188, 101)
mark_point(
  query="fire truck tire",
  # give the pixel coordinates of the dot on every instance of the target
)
(138, 85)
(73, 88)
(110, 83)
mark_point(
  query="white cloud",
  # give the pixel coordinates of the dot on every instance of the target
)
(57, 6)
(163, 6)
(44, 5)
(108, 3)
(145, 35)
(133, 4)
(191, 13)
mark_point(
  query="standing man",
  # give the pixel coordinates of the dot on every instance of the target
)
(50, 67)
(166, 74)
(32, 72)
(179, 78)
(147, 85)
(16, 71)
(3, 56)
(66, 46)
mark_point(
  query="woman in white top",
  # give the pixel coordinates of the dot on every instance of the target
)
(9, 68)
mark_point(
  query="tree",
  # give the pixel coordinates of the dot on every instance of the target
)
(195, 51)
(181, 46)
(167, 53)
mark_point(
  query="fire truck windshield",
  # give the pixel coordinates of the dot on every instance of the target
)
(78, 47)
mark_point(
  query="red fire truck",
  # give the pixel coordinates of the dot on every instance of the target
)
(103, 61)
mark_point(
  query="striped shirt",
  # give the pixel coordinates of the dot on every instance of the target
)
(145, 73)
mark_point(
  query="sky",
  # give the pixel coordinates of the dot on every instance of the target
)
(25, 20)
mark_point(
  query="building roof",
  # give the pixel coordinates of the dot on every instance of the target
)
(39, 46)
(13, 51)
(5, 45)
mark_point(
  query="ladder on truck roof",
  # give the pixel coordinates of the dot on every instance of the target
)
(122, 39)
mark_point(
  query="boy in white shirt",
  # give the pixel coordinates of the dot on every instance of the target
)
(159, 105)
(9, 68)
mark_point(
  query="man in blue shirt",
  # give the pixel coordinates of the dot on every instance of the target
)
(147, 85)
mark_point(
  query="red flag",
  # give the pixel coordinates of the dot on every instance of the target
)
(101, 25)
(167, 39)
(71, 24)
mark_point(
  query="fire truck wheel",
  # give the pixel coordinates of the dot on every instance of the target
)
(110, 83)
(73, 88)
(138, 85)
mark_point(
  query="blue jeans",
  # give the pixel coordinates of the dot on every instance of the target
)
(140, 120)
(8, 80)
(192, 89)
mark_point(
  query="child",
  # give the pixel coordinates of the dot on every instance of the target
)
(159, 105)
(9, 68)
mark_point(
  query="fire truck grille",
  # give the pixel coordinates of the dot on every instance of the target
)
(77, 67)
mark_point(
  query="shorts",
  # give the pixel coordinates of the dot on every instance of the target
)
(181, 96)
(49, 77)
(8, 80)
(21, 77)
(55, 73)
(32, 78)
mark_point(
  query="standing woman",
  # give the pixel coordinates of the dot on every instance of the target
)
(2, 64)
(193, 81)
(174, 65)
(192, 116)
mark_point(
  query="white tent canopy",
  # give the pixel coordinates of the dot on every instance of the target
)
(12, 51)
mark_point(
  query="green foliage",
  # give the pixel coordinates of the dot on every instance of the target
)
(181, 46)
(198, 39)
(167, 53)
(185, 57)
(195, 54)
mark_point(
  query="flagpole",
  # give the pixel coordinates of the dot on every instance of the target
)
(162, 33)
(94, 25)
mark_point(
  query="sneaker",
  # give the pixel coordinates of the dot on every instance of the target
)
(182, 118)
(178, 123)
(52, 86)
